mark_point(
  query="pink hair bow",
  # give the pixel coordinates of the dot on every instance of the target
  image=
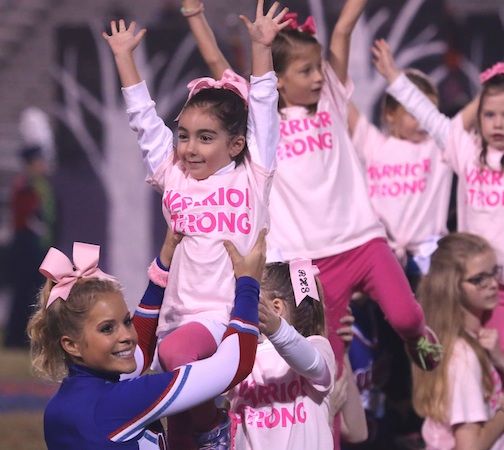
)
(307, 27)
(58, 268)
(303, 273)
(229, 80)
(496, 69)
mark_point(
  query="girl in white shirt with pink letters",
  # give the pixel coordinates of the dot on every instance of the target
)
(215, 187)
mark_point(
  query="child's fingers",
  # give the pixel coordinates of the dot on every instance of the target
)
(260, 8)
(140, 35)
(113, 27)
(132, 27)
(347, 320)
(122, 25)
(246, 21)
(282, 25)
(271, 12)
(105, 36)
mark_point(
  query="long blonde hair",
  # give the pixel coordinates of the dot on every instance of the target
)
(62, 318)
(441, 295)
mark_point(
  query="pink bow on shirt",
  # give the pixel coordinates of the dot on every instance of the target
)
(229, 80)
(307, 27)
(496, 69)
(303, 273)
(58, 268)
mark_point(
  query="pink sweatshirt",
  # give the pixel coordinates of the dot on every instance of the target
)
(231, 204)
(319, 204)
(480, 194)
(408, 184)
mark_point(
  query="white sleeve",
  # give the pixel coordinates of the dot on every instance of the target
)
(420, 107)
(154, 137)
(263, 127)
(300, 354)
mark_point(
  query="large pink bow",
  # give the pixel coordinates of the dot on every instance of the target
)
(58, 268)
(303, 273)
(307, 27)
(496, 69)
(229, 80)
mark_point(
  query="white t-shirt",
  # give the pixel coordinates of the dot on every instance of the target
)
(480, 191)
(276, 408)
(319, 204)
(466, 399)
(231, 204)
(408, 184)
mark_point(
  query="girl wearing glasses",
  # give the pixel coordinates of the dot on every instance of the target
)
(462, 399)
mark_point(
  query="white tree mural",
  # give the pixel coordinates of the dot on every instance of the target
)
(116, 159)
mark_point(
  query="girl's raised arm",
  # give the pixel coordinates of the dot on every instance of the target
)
(194, 11)
(339, 47)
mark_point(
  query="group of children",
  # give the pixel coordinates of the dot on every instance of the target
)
(288, 153)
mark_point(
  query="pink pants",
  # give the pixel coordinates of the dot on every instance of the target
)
(372, 269)
(497, 319)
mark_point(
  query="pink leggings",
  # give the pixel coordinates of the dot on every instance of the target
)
(187, 344)
(372, 269)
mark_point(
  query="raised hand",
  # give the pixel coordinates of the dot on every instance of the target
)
(384, 61)
(122, 39)
(251, 265)
(265, 27)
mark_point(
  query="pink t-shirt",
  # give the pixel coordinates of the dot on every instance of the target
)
(231, 204)
(480, 192)
(319, 204)
(408, 184)
(467, 403)
(275, 408)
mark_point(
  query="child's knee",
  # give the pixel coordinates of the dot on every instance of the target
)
(172, 355)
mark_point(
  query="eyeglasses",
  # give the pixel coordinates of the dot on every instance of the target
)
(484, 279)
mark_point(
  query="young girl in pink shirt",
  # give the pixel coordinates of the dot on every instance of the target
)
(215, 187)
(476, 159)
(408, 181)
(319, 204)
(289, 400)
(462, 399)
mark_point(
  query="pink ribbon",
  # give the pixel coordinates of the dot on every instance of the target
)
(58, 268)
(303, 273)
(229, 80)
(496, 69)
(307, 27)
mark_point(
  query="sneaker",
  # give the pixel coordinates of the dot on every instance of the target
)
(218, 438)
(426, 351)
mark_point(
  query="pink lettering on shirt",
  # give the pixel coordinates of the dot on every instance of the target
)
(485, 187)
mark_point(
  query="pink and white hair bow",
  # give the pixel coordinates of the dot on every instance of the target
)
(303, 273)
(58, 268)
(307, 27)
(496, 69)
(229, 80)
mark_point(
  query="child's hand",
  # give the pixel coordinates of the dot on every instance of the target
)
(251, 265)
(339, 394)
(384, 61)
(123, 40)
(265, 27)
(346, 331)
(168, 248)
(269, 319)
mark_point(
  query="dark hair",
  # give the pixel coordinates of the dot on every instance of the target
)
(420, 80)
(307, 318)
(284, 49)
(228, 108)
(490, 87)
